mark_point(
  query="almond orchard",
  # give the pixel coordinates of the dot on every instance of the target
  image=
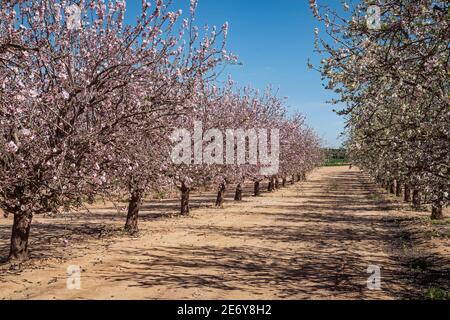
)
(152, 150)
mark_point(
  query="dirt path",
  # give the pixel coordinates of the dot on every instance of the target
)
(310, 241)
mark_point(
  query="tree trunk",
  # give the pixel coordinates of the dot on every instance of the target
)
(437, 212)
(19, 237)
(277, 183)
(238, 195)
(257, 192)
(221, 195)
(407, 196)
(416, 198)
(185, 207)
(398, 189)
(392, 187)
(299, 178)
(271, 186)
(284, 182)
(293, 179)
(304, 177)
(134, 205)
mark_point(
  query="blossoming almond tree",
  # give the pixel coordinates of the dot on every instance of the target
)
(144, 168)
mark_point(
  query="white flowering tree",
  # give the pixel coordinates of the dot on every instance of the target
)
(389, 64)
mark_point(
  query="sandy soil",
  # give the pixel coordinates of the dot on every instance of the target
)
(309, 241)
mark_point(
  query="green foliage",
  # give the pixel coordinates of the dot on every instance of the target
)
(336, 157)
(434, 293)
(375, 196)
(336, 163)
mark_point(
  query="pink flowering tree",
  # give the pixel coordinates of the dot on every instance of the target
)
(300, 150)
(146, 168)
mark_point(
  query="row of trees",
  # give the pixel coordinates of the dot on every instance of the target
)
(225, 126)
(88, 108)
(388, 62)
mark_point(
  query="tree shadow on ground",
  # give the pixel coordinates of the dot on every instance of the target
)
(327, 264)
(290, 274)
(52, 240)
(50, 234)
(317, 253)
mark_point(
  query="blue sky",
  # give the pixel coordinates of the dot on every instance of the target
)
(274, 40)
